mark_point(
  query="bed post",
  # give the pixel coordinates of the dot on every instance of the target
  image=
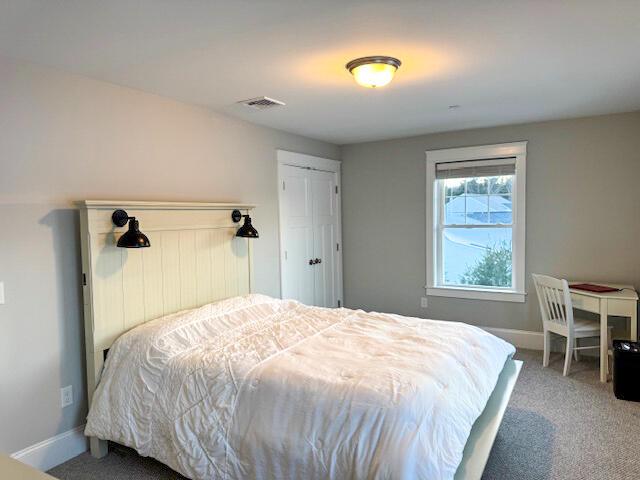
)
(95, 360)
(99, 448)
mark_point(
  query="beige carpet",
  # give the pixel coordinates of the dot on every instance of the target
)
(555, 428)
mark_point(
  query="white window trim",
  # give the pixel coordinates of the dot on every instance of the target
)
(518, 150)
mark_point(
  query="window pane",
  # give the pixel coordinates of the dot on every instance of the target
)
(454, 210)
(480, 256)
(478, 201)
(500, 209)
(454, 186)
(478, 185)
(477, 209)
(501, 184)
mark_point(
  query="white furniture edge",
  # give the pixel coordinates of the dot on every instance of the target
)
(512, 149)
(621, 295)
(53, 451)
(110, 309)
(13, 469)
(484, 430)
(303, 160)
(607, 304)
(137, 204)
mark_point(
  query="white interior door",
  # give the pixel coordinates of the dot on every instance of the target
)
(325, 221)
(310, 229)
(296, 230)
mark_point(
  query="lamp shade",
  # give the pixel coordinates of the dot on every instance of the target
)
(373, 72)
(133, 237)
(247, 229)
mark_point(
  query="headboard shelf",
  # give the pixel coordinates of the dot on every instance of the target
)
(194, 259)
(114, 204)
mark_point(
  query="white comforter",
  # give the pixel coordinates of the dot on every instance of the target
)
(253, 387)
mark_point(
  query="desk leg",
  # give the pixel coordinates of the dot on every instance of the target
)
(634, 323)
(604, 345)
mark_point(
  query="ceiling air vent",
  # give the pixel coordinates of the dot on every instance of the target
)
(262, 103)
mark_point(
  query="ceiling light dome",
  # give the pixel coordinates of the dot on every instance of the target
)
(372, 72)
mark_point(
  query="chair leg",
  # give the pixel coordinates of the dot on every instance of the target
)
(547, 348)
(576, 355)
(567, 356)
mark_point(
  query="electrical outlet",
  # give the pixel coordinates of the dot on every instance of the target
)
(423, 302)
(66, 396)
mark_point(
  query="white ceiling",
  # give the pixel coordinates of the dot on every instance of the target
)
(502, 61)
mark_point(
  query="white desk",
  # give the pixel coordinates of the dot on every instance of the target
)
(619, 304)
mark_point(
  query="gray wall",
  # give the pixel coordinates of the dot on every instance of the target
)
(65, 138)
(583, 208)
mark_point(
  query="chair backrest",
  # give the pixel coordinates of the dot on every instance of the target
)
(555, 300)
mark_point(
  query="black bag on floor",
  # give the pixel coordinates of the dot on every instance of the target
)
(626, 370)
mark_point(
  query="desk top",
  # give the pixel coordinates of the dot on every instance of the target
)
(628, 292)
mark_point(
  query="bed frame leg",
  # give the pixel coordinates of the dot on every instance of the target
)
(95, 362)
(99, 448)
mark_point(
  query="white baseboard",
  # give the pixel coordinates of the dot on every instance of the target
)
(55, 450)
(533, 340)
(519, 338)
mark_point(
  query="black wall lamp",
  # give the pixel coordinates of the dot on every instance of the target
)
(246, 230)
(132, 238)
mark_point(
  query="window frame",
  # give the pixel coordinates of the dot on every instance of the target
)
(515, 150)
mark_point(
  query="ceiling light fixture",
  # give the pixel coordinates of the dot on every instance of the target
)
(372, 72)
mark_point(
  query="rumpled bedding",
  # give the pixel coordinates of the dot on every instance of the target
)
(258, 388)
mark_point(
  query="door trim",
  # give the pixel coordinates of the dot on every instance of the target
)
(311, 162)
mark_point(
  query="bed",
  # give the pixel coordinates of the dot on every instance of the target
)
(238, 385)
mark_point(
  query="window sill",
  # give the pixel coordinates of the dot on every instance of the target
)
(477, 294)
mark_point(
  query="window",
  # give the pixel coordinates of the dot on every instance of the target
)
(476, 222)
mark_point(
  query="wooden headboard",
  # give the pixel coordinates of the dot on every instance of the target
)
(194, 259)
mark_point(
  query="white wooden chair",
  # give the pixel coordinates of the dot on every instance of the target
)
(557, 317)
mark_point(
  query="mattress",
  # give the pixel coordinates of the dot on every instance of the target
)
(255, 388)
